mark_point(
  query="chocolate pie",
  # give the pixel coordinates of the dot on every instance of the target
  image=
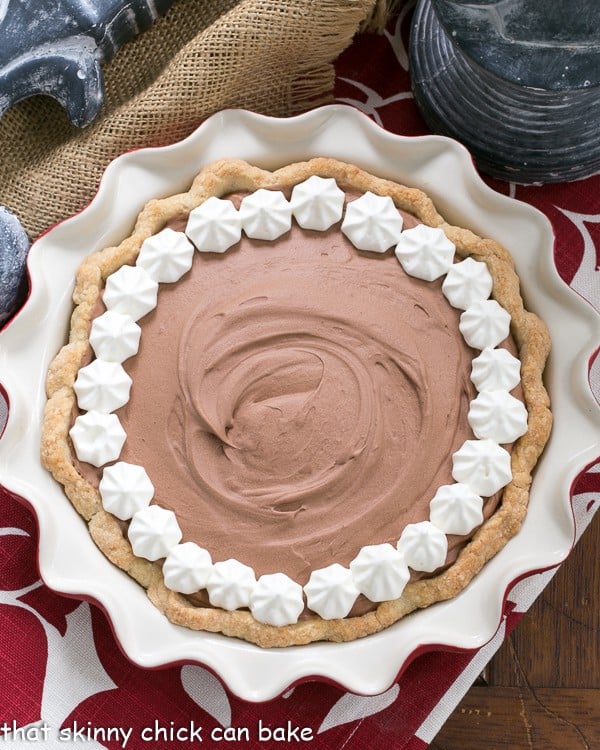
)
(298, 405)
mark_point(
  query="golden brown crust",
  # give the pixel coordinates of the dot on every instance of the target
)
(227, 176)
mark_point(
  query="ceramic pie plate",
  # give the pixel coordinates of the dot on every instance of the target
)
(69, 561)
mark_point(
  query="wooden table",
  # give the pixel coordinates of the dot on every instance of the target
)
(542, 689)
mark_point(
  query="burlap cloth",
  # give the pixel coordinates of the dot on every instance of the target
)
(270, 56)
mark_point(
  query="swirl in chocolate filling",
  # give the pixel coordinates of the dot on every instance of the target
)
(296, 400)
(293, 403)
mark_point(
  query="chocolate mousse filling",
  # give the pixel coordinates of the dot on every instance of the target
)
(296, 400)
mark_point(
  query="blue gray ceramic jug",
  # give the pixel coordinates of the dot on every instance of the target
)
(516, 81)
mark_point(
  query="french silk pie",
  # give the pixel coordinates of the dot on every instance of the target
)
(298, 405)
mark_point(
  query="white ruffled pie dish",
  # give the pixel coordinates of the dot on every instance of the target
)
(443, 169)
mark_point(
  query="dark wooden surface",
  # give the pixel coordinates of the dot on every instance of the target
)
(541, 691)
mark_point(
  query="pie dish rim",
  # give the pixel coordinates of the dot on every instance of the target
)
(236, 662)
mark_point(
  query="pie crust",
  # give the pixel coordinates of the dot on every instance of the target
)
(230, 176)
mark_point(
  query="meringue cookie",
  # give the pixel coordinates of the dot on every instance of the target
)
(125, 488)
(166, 256)
(214, 226)
(483, 465)
(484, 324)
(115, 337)
(230, 584)
(423, 546)
(187, 568)
(331, 591)
(456, 509)
(97, 438)
(379, 572)
(153, 532)
(131, 291)
(276, 600)
(467, 282)
(265, 214)
(495, 369)
(102, 386)
(425, 252)
(317, 203)
(372, 222)
(498, 416)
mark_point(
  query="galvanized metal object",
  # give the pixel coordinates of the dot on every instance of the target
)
(14, 245)
(56, 47)
(516, 81)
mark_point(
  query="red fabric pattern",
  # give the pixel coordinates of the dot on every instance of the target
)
(34, 621)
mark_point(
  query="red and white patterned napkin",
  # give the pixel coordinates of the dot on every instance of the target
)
(63, 679)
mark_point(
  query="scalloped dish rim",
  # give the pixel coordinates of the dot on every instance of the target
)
(370, 665)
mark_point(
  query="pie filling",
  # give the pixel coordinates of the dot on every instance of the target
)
(296, 400)
(300, 408)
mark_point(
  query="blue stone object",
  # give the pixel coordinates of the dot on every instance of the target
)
(516, 81)
(548, 45)
(56, 47)
(14, 245)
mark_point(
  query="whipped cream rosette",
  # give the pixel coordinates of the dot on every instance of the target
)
(153, 532)
(214, 226)
(331, 591)
(125, 489)
(372, 223)
(230, 584)
(482, 465)
(423, 546)
(253, 413)
(498, 416)
(131, 291)
(425, 252)
(484, 324)
(114, 337)
(187, 568)
(456, 509)
(317, 203)
(467, 282)
(97, 437)
(265, 214)
(495, 369)
(102, 386)
(276, 600)
(166, 256)
(379, 572)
